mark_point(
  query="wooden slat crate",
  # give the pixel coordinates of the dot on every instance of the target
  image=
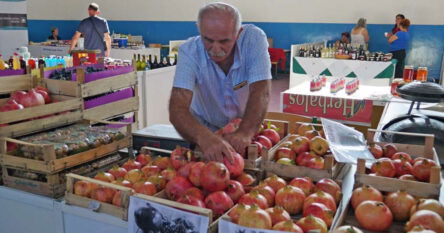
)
(292, 119)
(332, 169)
(12, 83)
(431, 189)
(51, 164)
(101, 207)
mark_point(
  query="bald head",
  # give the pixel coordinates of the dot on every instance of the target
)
(222, 12)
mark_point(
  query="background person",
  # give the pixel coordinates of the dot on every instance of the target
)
(95, 31)
(54, 34)
(398, 46)
(359, 34)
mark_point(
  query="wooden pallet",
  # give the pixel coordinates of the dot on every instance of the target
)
(72, 199)
(431, 189)
(51, 164)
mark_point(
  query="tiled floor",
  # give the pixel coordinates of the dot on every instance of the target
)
(278, 85)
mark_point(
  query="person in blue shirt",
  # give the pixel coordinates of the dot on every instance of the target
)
(398, 46)
(211, 68)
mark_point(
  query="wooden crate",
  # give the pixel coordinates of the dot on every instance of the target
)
(53, 165)
(101, 207)
(431, 189)
(12, 83)
(292, 119)
(332, 169)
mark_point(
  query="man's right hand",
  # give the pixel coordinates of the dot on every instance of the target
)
(215, 148)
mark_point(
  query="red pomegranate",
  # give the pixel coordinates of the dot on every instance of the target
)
(131, 164)
(384, 167)
(134, 176)
(195, 192)
(389, 150)
(254, 197)
(214, 177)
(162, 162)
(102, 194)
(290, 198)
(246, 179)
(426, 218)
(143, 159)
(312, 223)
(150, 170)
(284, 152)
(176, 187)
(18, 96)
(316, 162)
(331, 187)
(407, 177)
(185, 169)
(104, 176)
(264, 141)
(158, 181)
(420, 229)
(45, 95)
(365, 193)
(305, 184)
(190, 200)
(428, 204)
(275, 182)
(321, 197)
(123, 182)
(31, 99)
(179, 157)
(237, 167)
(145, 187)
(402, 167)
(422, 169)
(235, 190)
(287, 226)
(272, 135)
(168, 173)
(219, 202)
(236, 212)
(376, 150)
(195, 171)
(303, 158)
(374, 215)
(278, 214)
(117, 199)
(117, 172)
(82, 188)
(267, 192)
(255, 217)
(321, 211)
(400, 204)
(347, 229)
(403, 157)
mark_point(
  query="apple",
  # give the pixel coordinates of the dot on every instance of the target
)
(300, 145)
(304, 127)
(376, 150)
(311, 134)
(319, 145)
(285, 161)
(389, 150)
(285, 152)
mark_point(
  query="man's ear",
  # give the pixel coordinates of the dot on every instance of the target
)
(238, 34)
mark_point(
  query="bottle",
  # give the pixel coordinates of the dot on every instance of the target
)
(15, 62)
(22, 63)
(150, 60)
(175, 60)
(10, 62)
(168, 61)
(155, 63)
(142, 63)
(42, 62)
(31, 63)
(138, 63)
(164, 62)
(147, 64)
(2, 63)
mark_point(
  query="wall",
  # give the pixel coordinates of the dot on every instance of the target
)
(286, 21)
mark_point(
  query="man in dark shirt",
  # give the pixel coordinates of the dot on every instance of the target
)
(95, 31)
(54, 34)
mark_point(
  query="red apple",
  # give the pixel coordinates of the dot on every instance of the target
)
(300, 145)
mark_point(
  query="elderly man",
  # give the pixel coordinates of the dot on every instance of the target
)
(212, 67)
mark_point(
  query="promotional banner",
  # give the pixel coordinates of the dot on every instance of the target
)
(13, 26)
(343, 109)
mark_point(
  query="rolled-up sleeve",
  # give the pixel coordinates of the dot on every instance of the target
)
(186, 71)
(259, 65)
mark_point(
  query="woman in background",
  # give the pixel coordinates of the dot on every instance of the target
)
(398, 45)
(399, 18)
(359, 34)
(54, 34)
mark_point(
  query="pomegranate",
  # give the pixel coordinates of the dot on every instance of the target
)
(365, 193)
(190, 200)
(300, 144)
(275, 182)
(195, 171)
(11, 105)
(272, 135)
(312, 223)
(290, 198)
(117, 172)
(254, 197)
(400, 204)
(195, 192)
(82, 188)
(162, 162)
(246, 179)
(347, 229)
(104, 176)
(303, 158)
(384, 167)
(278, 214)
(422, 169)
(102, 194)
(178, 157)
(236, 212)
(44, 94)
(374, 215)
(321, 197)
(123, 183)
(286, 144)
(389, 150)
(407, 177)
(402, 167)
(158, 181)
(145, 187)
(426, 218)
(403, 157)
(305, 184)
(267, 192)
(255, 217)
(185, 169)
(131, 164)
(235, 190)
(168, 174)
(31, 99)
(150, 170)
(134, 175)
(237, 167)
(316, 163)
(143, 159)
(176, 187)
(284, 152)
(331, 187)
(304, 127)
(311, 134)
(214, 177)
(420, 229)
(264, 141)
(376, 150)
(219, 202)
(321, 211)
(18, 96)
(259, 147)
(428, 204)
(287, 226)
(117, 199)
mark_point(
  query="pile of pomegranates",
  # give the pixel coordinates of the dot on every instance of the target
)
(271, 204)
(22, 99)
(377, 212)
(395, 164)
(307, 148)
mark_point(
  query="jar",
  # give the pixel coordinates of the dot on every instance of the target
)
(408, 73)
(422, 74)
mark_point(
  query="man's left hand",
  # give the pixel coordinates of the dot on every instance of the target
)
(107, 52)
(239, 141)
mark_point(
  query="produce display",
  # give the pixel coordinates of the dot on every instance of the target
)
(395, 164)
(66, 74)
(296, 206)
(26, 99)
(376, 211)
(68, 140)
(307, 148)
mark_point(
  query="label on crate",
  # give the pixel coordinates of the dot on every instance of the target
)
(146, 216)
(346, 143)
(225, 226)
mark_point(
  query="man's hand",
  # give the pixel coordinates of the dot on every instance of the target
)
(107, 52)
(216, 148)
(239, 141)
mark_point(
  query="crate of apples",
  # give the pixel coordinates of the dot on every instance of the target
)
(399, 211)
(299, 205)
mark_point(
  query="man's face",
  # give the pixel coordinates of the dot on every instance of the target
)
(398, 20)
(92, 12)
(219, 35)
(56, 31)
